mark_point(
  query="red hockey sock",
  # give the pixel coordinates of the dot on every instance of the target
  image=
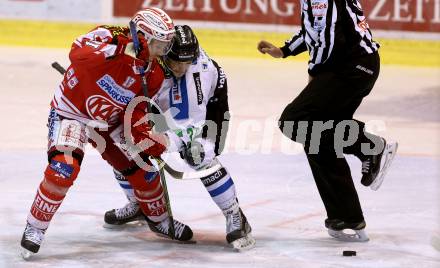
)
(44, 207)
(149, 194)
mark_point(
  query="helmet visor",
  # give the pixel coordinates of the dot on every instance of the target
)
(159, 48)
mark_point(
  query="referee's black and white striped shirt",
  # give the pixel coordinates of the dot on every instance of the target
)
(332, 31)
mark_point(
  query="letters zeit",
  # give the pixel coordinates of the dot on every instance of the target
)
(379, 10)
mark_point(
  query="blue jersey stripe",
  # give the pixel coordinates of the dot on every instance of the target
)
(182, 105)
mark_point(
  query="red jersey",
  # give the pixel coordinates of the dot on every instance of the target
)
(99, 83)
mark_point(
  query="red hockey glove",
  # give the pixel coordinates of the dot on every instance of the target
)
(121, 42)
(144, 53)
(152, 143)
(129, 50)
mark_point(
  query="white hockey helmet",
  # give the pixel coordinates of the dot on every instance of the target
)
(155, 24)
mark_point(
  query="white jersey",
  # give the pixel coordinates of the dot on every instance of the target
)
(200, 95)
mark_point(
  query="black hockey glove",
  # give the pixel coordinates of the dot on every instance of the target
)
(193, 153)
(198, 153)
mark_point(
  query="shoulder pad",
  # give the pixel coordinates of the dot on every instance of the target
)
(116, 30)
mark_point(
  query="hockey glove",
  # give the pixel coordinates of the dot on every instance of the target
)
(144, 53)
(126, 46)
(121, 41)
(153, 144)
(199, 153)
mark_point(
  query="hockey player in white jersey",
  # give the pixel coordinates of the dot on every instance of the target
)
(194, 95)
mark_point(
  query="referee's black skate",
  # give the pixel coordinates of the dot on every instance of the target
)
(239, 231)
(116, 218)
(31, 241)
(376, 166)
(337, 229)
(182, 232)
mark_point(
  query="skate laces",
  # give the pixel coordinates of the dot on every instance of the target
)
(366, 166)
(33, 234)
(233, 222)
(128, 210)
(164, 226)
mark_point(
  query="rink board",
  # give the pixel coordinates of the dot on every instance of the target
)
(230, 43)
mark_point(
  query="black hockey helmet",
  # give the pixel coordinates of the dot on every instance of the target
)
(185, 45)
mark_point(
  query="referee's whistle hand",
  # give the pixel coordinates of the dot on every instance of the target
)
(267, 47)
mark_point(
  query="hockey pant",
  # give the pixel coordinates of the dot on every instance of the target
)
(66, 141)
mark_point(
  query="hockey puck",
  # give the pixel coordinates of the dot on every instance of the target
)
(348, 253)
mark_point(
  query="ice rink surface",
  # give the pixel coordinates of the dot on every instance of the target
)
(275, 188)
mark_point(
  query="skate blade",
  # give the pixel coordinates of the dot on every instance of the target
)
(358, 236)
(243, 244)
(435, 242)
(389, 154)
(133, 224)
(26, 254)
(191, 241)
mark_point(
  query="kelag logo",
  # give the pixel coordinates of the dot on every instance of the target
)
(101, 108)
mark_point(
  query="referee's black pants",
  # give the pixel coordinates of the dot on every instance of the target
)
(334, 96)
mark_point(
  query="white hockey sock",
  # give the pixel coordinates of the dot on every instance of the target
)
(222, 190)
(125, 185)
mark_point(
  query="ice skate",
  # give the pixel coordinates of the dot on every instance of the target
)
(347, 232)
(376, 166)
(117, 218)
(31, 241)
(435, 242)
(239, 232)
(182, 231)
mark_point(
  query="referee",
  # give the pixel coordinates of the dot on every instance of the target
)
(343, 68)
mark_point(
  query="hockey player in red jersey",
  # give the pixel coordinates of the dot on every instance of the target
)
(88, 106)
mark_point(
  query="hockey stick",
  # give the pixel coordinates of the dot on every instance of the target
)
(159, 161)
(58, 67)
(192, 175)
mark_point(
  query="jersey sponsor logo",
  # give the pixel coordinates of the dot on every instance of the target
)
(115, 91)
(176, 94)
(45, 209)
(221, 78)
(101, 108)
(319, 8)
(72, 82)
(213, 178)
(129, 81)
(53, 117)
(155, 204)
(63, 169)
(364, 69)
(93, 44)
(205, 66)
(70, 73)
(198, 84)
(319, 5)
